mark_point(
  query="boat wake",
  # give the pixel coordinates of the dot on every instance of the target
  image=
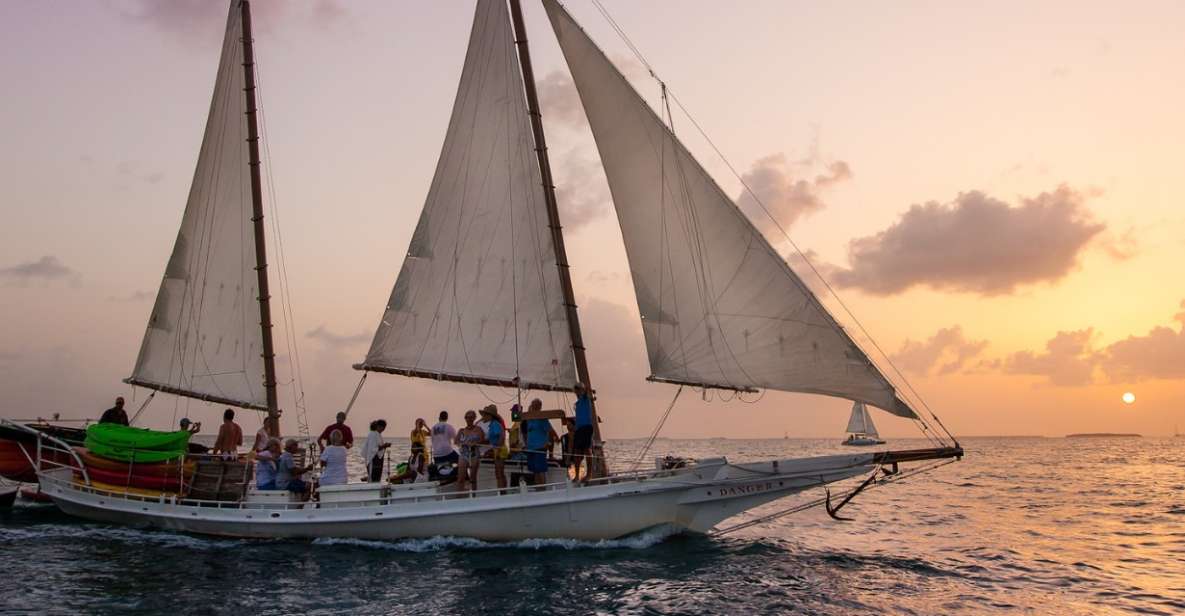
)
(117, 534)
(638, 541)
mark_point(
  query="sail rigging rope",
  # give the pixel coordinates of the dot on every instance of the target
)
(669, 93)
(654, 433)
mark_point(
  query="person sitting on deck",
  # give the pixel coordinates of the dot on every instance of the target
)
(288, 474)
(468, 442)
(265, 465)
(415, 470)
(230, 436)
(539, 440)
(340, 426)
(443, 434)
(373, 449)
(333, 459)
(115, 414)
(496, 437)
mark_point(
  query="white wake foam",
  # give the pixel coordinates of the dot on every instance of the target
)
(639, 541)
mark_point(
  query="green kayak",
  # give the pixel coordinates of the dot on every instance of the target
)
(125, 437)
(126, 454)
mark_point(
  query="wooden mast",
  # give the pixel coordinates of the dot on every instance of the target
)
(553, 213)
(265, 310)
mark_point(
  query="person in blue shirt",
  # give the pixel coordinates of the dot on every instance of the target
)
(582, 440)
(539, 438)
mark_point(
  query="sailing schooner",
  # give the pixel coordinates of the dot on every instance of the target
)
(861, 430)
(484, 297)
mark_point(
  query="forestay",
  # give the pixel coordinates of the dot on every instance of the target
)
(478, 298)
(719, 307)
(203, 338)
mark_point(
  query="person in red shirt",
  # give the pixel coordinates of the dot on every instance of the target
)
(347, 434)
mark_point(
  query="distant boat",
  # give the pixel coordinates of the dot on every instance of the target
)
(1104, 435)
(861, 430)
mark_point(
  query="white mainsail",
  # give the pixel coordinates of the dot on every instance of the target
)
(719, 307)
(478, 298)
(203, 338)
(861, 422)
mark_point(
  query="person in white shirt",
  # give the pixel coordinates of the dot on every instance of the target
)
(443, 434)
(333, 461)
(373, 450)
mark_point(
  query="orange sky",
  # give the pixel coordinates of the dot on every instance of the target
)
(1034, 282)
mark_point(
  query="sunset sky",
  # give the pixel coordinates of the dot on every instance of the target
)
(995, 191)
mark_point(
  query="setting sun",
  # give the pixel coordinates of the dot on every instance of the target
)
(1129, 398)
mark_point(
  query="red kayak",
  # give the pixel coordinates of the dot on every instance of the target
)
(136, 480)
(35, 495)
(163, 469)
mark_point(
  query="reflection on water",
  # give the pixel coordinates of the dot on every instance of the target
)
(1045, 526)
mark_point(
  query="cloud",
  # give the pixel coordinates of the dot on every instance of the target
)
(47, 268)
(581, 189)
(946, 352)
(1068, 360)
(559, 101)
(136, 296)
(975, 244)
(198, 21)
(600, 277)
(784, 193)
(337, 341)
(805, 264)
(1159, 354)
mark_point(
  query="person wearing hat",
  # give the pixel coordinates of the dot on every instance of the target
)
(189, 426)
(497, 449)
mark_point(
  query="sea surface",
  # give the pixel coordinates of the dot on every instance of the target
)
(1020, 526)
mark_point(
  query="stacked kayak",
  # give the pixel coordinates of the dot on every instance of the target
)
(136, 459)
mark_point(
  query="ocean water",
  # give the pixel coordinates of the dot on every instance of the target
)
(1021, 525)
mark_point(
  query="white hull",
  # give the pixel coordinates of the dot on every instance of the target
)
(863, 442)
(693, 499)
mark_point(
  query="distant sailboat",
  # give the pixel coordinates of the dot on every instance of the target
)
(861, 430)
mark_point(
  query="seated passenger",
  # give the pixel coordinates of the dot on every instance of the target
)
(288, 474)
(333, 460)
(265, 465)
(414, 470)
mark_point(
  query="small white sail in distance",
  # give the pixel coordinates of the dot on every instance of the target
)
(203, 338)
(860, 422)
(719, 306)
(478, 298)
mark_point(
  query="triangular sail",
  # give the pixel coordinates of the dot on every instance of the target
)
(478, 298)
(857, 424)
(203, 338)
(869, 427)
(720, 308)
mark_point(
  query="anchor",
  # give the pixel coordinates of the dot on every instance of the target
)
(832, 511)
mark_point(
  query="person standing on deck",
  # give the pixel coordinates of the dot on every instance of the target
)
(373, 450)
(189, 426)
(582, 440)
(443, 434)
(539, 438)
(496, 437)
(230, 436)
(469, 440)
(333, 459)
(269, 430)
(420, 434)
(340, 426)
(115, 414)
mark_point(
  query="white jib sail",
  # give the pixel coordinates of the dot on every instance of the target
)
(719, 306)
(203, 338)
(857, 423)
(478, 297)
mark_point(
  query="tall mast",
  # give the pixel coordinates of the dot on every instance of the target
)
(265, 310)
(553, 213)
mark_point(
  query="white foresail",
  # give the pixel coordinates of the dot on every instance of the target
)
(857, 423)
(203, 338)
(719, 306)
(478, 297)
